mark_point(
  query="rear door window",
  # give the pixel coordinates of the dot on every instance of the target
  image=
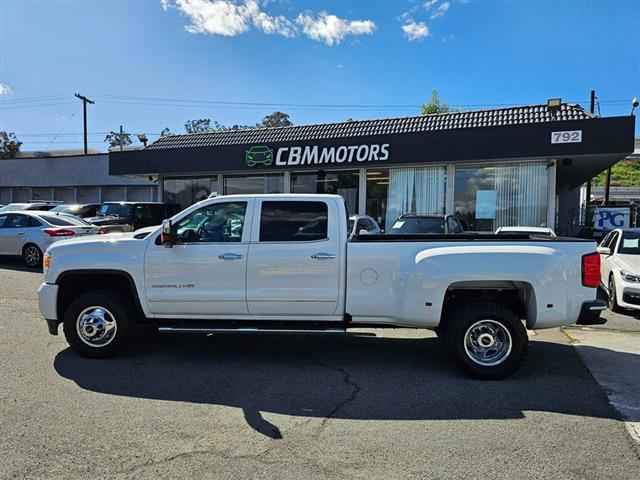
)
(293, 221)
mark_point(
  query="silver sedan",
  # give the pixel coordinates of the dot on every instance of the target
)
(29, 233)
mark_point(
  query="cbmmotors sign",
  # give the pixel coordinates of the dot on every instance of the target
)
(316, 155)
(608, 218)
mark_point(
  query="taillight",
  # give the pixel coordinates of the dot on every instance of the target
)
(59, 232)
(102, 231)
(591, 270)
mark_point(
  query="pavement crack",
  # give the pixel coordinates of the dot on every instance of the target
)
(348, 380)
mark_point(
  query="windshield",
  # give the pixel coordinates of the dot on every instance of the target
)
(115, 209)
(65, 208)
(14, 207)
(418, 225)
(630, 243)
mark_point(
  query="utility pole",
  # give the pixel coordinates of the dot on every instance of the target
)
(592, 108)
(120, 138)
(85, 100)
(607, 183)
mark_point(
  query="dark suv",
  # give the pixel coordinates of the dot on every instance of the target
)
(130, 216)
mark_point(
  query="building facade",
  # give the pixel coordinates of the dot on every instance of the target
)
(501, 167)
(69, 177)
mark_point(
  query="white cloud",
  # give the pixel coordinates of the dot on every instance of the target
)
(430, 3)
(330, 29)
(440, 10)
(229, 18)
(5, 89)
(415, 30)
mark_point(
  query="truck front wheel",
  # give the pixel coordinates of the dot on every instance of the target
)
(98, 323)
(485, 339)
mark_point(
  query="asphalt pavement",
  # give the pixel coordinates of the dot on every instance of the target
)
(387, 405)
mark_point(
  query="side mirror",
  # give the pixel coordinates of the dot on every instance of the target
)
(168, 236)
(363, 232)
(604, 250)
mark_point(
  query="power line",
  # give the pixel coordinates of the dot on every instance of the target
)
(63, 127)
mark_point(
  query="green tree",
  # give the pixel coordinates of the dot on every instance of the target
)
(10, 145)
(434, 105)
(116, 139)
(198, 126)
(276, 119)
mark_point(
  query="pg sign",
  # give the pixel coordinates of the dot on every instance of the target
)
(607, 218)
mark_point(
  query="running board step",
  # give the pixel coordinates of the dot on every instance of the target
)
(210, 330)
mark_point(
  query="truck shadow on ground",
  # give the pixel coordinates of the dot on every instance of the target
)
(344, 377)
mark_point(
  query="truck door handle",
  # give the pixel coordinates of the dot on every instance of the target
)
(323, 256)
(229, 256)
(20, 233)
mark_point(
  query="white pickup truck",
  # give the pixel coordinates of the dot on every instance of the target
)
(265, 263)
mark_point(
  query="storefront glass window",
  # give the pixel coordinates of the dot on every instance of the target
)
(253, 184)
(187, 191)
(344, 183)
(512, 194)
(416, 190)
(377, 188)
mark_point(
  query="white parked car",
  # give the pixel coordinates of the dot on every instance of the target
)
(528, 230)
(251, 263)
(29, 233)
(358, 223)
(620, 268)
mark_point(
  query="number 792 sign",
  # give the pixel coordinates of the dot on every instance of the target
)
(570, 136)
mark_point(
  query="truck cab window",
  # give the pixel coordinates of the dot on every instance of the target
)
(293, 221)
(217, 222)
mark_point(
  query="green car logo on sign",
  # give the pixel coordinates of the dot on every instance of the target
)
(260, 154)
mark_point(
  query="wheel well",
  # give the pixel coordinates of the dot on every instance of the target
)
(516, 296)
(24, 247)
(75, 283)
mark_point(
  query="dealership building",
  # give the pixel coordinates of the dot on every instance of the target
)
(498, 167)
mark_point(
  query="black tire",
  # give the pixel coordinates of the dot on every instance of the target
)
(32, 255)
(612, 299)
(116, 307)
(479, 319)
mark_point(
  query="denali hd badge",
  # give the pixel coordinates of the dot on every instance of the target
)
(315, 155)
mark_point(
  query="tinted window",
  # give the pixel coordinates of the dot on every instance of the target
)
(115, 209)
(293, 221)
(418, 225)
(34, 223)
(630, 243)
(3, 219)
(63, 221)
(218, 222)
(18, 221)
(613, 241)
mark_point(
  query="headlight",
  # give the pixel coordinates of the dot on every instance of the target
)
(629, 277)
(46, 261)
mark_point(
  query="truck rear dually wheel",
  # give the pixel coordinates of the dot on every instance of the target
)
(98, 323)
(485, 339)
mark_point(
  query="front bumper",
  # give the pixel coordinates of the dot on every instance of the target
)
(48, 301)
(590, 313)
(630, 293)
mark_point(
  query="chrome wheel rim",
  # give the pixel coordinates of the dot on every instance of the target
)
(32, 256)
(96, 326)
(487, 343)
(612, 294)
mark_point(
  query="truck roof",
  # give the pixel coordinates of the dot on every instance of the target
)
(297, 196)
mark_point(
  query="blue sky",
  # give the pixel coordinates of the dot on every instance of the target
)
(371, 58)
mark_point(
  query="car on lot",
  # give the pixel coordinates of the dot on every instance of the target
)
(29, 233)
(82, 210)
(527, 230)
(284, 263)
(415, 223)
(363, 224)
(130, 216)
(34, 205)
(620, 269)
